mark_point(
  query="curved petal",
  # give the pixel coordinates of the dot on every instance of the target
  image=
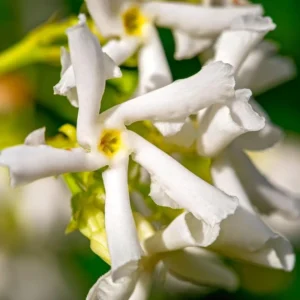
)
(257, 72)
(188, 46)
(107, 289)
(213, 84)
(67, 85)
(262, 139)
(154, 71)
(192, 233)
(280, 164)
(220, 124)
(185, 137)
(264, 195)
(123, 243)
(90, 70)
(234, 44)
(180, 286)
(183, 187)
(201, 267)
(105, 14)
(120, 50)
(252, 240)
(273, 72)
(35, 138)
(196, 20)
(142, 288)
(29, 163)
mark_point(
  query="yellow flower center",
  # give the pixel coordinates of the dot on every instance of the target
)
(110, 142)
(133, 21)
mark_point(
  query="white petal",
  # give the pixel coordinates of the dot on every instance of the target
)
(90, 75)
(142, 288)
(175, 285)
(252, 240)
(65, 60)
(267, 197)
(159, 196)
(234, 44)
(123, 243)
(197, 20)
(107, 289)
(121, 50)
(182, 186)
(67, 85)
(262, 139)
(154, 71)
(220, 124)
(169, 128)
(185, 137)
(184, 231)
(36, 137)
(29, 163)
(273, 72)
(188, 46)
(105, 13)
(111, 69)
(280, 164)
(213, 84)
(264, 69)
(201, 267)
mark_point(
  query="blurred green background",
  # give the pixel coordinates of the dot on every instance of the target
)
(80, 267)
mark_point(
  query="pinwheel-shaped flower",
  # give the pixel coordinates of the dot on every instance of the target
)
(192, 267)
(105, 141)
(133, 22)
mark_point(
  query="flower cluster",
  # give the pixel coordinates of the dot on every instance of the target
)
(133, 169)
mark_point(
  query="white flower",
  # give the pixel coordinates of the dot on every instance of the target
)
(243, 236)
(134, 22)
(192, 265)
(105, 141)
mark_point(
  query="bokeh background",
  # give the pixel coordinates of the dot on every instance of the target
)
(30, 90)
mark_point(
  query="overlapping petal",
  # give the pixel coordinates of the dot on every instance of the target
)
(235, 43)
(183, 187)
(108, 289)
(213, 84)
(252, 240)
(221, 124)
(201, 267)
(267, 197)
(196, 20)
(91, 69)
(264, 69)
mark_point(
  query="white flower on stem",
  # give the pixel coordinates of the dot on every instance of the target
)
(265, 69)
(105, 141)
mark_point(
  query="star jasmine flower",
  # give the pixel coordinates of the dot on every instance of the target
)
(220, 128)
(103, 140)
(251, 241)
(133, 22)
(194, 265)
